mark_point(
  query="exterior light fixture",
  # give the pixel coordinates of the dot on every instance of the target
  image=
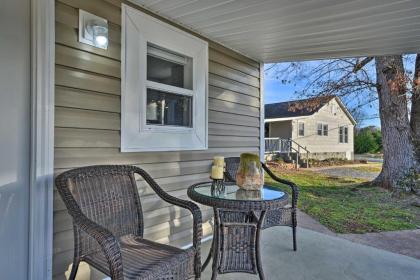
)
(93, 30)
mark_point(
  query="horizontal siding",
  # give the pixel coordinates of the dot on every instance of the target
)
(102, 138)
(231, 96)
(87, 125)
(77, 157)
(75, 78)
(88, 100)
(82, 60)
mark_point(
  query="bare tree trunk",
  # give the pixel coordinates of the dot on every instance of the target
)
(396, 131)
(415, 110)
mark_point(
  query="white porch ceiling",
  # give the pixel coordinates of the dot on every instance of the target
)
(286, 30)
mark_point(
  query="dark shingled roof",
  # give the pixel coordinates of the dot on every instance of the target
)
(296, 108)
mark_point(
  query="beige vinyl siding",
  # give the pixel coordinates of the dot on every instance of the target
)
(321, 144)
(87, 125)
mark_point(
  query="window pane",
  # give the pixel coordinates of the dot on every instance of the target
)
(168, 109)
(166, 67)
(346, 135)
(319, 129)
(341, 134)
(301, 129)
(325, 129)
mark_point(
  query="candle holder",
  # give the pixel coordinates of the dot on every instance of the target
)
(218, 187)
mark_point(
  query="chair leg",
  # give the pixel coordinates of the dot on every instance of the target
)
(74, 268)
(197, 267)
(294, 224)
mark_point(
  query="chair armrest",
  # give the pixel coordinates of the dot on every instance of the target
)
(194, 209)
(106, 240)
(294, 188)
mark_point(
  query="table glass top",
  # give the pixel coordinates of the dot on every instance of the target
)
(233, 192)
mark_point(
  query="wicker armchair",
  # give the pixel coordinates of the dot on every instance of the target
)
(108, 226)
(282, 217)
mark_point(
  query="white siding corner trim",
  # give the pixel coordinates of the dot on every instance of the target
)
(262, 113)
(42, 140)
(139, 29)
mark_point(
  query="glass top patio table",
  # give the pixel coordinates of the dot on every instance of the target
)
(236, 198)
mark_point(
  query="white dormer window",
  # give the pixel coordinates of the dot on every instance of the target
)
(164, 86)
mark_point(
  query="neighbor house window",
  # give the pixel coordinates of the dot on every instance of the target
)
(164, 92)
(322, 129)
(325, 129)
(319, 129)
(301, 129)
(343, 134)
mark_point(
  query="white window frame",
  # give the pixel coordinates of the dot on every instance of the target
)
(139, 29)
(342, 134)
(323, 129)
(323, 125)
(298, 127)
(317, 129)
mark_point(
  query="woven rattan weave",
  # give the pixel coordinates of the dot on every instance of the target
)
(237, 230)
(285, 216)
(108, 226)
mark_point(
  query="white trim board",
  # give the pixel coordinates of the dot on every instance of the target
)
(42, 140)
(262, 113)
(285, 119)
(138, 30)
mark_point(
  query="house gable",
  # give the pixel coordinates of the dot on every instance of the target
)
(332, 115)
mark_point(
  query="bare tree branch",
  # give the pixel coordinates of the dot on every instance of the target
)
(360, 64)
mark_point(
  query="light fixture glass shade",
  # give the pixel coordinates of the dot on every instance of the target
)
(93, 30)
(100, 36)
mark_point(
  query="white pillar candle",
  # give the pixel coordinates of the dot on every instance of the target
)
(216, 172)
(219, 161)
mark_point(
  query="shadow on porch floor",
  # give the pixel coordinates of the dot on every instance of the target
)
(324, 257)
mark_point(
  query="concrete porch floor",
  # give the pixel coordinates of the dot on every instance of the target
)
(323, 257)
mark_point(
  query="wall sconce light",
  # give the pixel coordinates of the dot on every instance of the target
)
(93, 30)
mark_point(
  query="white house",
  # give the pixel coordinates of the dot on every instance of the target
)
(322, 125)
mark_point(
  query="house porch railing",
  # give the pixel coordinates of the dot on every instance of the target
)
(287, 146)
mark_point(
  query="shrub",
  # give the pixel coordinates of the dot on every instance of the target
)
(366, 141)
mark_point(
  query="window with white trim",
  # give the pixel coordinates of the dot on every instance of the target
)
(164, 86)
(319, 129)
(322, 129)
(325, 129)
(301, 129)
(343, 134)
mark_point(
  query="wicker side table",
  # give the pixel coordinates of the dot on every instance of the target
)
(237, 231)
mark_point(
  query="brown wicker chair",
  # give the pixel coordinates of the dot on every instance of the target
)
(108, 226)
(282, 217)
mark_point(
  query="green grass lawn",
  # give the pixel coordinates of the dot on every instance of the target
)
(348, 205)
